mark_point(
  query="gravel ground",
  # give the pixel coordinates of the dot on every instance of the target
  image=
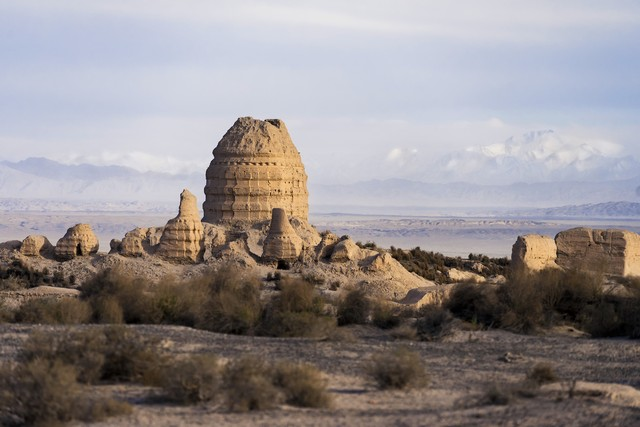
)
(462, 367)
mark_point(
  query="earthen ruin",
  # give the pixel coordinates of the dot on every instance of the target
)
(282, 243)
(611, 252)
(255, 168)
(183, 236)
(79, 240)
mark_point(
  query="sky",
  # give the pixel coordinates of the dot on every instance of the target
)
(362, 85)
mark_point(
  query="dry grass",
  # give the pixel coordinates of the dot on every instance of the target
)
(302, 384)
(433, 323)
(63, 311)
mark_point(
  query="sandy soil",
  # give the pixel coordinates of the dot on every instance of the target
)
(462, 368)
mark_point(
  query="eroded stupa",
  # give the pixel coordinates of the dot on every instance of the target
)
(255, 168)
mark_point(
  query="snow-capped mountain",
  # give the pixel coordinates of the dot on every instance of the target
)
(540, 156)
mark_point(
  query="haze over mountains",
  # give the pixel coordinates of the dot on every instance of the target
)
(538, 170)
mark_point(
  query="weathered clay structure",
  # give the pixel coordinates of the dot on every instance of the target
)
(615, 252)
(36, 245)
(183, 236)
(255, 168)
(78, 241)
(533, 252)
(612, 252)
(138, 242)
(282, 243)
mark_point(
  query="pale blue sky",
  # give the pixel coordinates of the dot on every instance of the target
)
(155, 83)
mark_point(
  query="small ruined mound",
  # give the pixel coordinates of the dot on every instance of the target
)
(282, 243)
(615, 252)
(533, 252)
(255, 168)
(183, 236)
(36, 245)
(138, 242)
(78, 241)
(611, 252)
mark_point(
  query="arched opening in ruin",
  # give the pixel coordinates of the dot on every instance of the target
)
(79, 250)
(283, 265)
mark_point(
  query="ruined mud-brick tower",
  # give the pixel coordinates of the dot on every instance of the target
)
(255, 168)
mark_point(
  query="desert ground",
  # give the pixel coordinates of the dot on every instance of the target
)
(599, 379)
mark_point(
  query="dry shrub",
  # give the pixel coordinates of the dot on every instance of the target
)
(92, 410)
(192, 380)
(302, 384)
(475, 303)
(130, 357)
(542, 373)
(45, 392)
(110, 289)
(399, 368)
(298, 311)
(433, 323)
(110, 353)
(83, 349)
(498, 394)
(385, 315)
(233, 302)
(51, 311)
(248, 385)
(177, 303)
(38, 392)
(354, 308)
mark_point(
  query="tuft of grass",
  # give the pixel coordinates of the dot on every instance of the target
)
(248, 385)
(399, 368)
(302, 384)
(354, 308)
(192, 380)
(498, 394)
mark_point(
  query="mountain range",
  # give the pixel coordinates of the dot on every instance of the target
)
(43, 184)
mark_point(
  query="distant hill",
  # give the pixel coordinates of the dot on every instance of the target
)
(593, 210)
(41, 178)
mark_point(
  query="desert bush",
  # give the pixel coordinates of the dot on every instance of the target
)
(385, 316)
(83, 350)
(233, 302)
(248, 385)
(354, 308)
(63, 311)
(542, 373)
(45, 392)
(39, 392)
(195, 379)
(302, 385)
(111, 286)
(398, 368)
(131, 357)
(433, 322)
(109, 353)
(177, 303)
(475, 303)
(498, 394)
(298, 311)
(525, 302)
